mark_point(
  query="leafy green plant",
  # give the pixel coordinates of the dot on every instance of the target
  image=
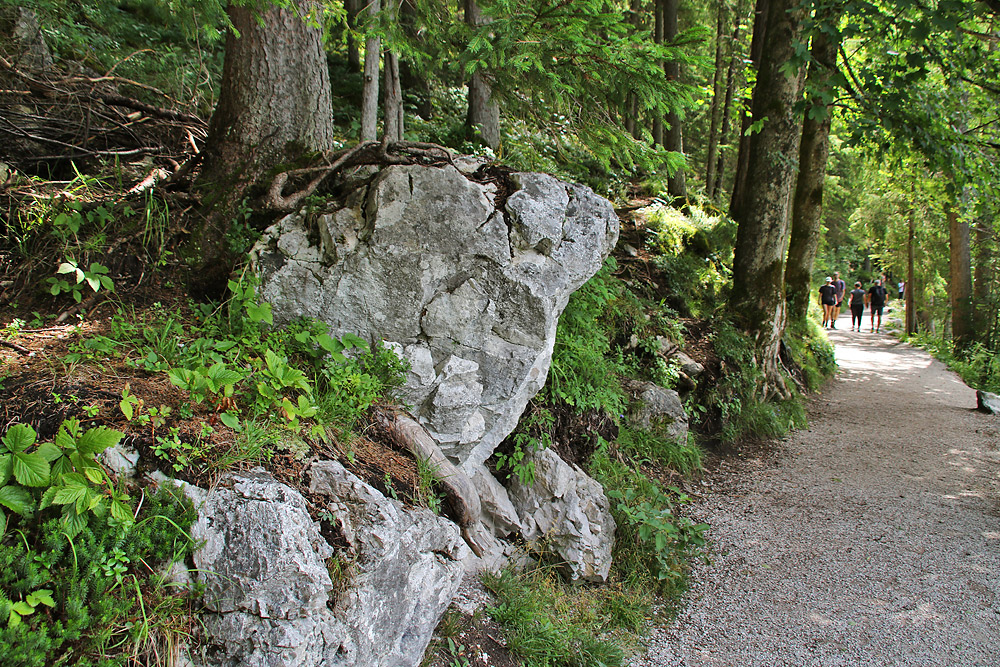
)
(534, 434)
(96, 277)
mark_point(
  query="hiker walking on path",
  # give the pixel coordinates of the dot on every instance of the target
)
(841, 288)
(876, 303)
(857, 305)
(828, 300)
(856, 542)
(902, 289)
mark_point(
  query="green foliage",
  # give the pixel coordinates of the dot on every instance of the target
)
(584, 373)
(67, 577)
(737, 397)
(978, 366)
(533, 434)
(655, 446)
(551, 624)
(812, 352)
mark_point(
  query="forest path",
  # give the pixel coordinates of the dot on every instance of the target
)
(872, 538)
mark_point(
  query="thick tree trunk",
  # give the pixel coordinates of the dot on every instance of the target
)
(741, 177)
(483, 119)
(714, 114)
(274, 106)
(961, 277)
(369, 94)
(758, 300)
(674, 137)
(807, 205)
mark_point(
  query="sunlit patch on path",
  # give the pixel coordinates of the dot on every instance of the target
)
(872, 538)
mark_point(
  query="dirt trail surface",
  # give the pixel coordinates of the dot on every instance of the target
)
(872, 538)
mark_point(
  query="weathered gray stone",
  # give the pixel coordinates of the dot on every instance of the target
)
(268, 588)
(570, 512)
(120, 459)
(409, 564)
(987, 402)
(498, 513)
(421, 258)
(691, 367)
(660, 409)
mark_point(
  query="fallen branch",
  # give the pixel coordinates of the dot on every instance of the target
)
(461, 493)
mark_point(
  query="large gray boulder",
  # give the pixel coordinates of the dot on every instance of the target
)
(265, 568)
(470, 294)
(567, 512)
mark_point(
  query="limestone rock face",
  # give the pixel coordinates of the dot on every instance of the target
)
(661, 408)
(569, 511)
(421, 257)
(268, 588)
(987, 402)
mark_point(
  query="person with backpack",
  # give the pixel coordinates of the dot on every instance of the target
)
(876, 302)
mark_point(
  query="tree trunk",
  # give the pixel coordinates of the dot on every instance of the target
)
(631, 101)
(758, 300)
(674, 138)
(740, 178)
(392, 111)
(369, 95)
(807, 205)
(411, 78)
(983, 283)
(961, 277)
(908, 296)
(274, 106)
(713, 130)
(352, 8)
(658, 38)
(483, 119)
(735, 60)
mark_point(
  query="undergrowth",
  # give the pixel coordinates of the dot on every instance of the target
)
(976, 365)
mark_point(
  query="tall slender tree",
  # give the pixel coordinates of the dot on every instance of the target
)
(762, 12)
(807, 204)
(758, 298)
(483, 119)
(369, 94)
(673, 139)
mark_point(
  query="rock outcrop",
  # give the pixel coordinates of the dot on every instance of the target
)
(468, 289)
(987, 402)
(568, 514)
(660, 409)
(265, 568)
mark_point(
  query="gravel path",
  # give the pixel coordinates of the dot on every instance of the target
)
(872, 538)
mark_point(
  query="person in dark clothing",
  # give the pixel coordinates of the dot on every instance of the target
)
(876, 302)
(857, 305)
(828, 300)
(841, 288)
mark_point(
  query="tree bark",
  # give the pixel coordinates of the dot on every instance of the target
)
(411, 78)
(274, 106)
(740, 178)
(392, 110)
(674, 136)
(731, 76)
(908, 295)
(657, 128)
(715, 113)
(961, 277)
(483, 119)
(369, 94)
(352, 8)
(807, 205)
(758, 300)
(983, 282)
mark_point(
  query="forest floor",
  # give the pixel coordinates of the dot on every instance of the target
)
(871, 538)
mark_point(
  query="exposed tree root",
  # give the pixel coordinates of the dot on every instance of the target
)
(368, 152)
(461, 493)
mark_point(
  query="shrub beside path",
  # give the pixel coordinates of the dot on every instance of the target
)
(872, 538)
